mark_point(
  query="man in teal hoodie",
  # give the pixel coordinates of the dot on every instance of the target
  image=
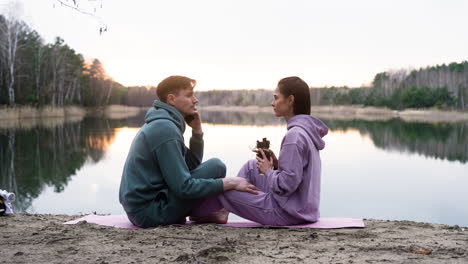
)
(162, 179)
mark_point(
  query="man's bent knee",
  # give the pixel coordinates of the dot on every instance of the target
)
(217, 167)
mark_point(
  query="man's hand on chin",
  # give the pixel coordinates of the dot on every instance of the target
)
(195, 123)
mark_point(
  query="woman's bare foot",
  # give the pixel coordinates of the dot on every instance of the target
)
(219, 217)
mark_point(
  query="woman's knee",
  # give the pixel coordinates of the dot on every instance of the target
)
(247, 169)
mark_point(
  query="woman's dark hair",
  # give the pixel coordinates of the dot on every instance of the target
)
(300, 90)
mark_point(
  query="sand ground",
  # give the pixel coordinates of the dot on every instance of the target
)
(29, 238)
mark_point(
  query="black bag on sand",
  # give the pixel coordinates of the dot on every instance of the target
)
(2, 206)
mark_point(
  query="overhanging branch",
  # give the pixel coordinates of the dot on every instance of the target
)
(74, 6)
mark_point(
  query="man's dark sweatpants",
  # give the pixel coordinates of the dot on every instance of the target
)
(172, 209)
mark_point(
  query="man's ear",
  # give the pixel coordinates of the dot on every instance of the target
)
(170, 99)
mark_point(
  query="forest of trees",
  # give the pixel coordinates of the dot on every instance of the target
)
(260, 97)
(145, 95)
(35, 73)
(141, 95)
(443, 86)
(440, 85)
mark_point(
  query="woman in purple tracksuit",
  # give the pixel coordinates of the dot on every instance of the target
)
(288, 188)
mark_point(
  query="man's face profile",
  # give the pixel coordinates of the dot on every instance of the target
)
(184, 101)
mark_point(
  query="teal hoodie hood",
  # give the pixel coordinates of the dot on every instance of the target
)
(162, 110)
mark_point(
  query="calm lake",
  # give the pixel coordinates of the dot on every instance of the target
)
(371, 169)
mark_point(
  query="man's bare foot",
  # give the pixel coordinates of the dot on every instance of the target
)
(219, 217)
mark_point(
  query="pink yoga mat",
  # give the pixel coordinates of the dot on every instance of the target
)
(121, 221)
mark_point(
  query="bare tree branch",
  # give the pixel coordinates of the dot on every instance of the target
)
(74, 6)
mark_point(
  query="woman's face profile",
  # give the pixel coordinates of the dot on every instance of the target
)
(282, 106)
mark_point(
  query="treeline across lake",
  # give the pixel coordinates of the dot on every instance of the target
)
(145, 95)
(442, 86)
(36, 73)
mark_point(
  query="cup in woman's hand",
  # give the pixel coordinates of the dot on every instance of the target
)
(265, 146)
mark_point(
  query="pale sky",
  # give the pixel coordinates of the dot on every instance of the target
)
(242, 44)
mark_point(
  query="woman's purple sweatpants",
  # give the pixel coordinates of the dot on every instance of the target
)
(260, 208)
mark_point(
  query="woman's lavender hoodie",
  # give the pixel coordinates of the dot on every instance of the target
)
(296, 182)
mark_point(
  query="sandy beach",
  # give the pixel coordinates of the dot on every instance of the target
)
(28, 238)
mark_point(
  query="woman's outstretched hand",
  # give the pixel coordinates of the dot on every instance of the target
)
(239, 184)
(263, 164)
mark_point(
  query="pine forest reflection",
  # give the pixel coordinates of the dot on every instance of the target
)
(441, 140)
(33, 158)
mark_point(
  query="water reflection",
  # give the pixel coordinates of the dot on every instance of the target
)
(438, 140)
(38, 160)
(40, 156)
